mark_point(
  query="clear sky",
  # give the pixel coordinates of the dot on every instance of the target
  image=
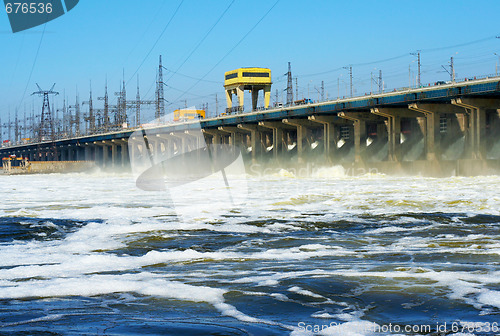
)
(203, 39)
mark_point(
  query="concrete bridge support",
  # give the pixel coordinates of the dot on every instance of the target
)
(87, 154)
(302, 126)
(255, 139)
(330, 133)
(217, 138)
(237, 135)
(181, 142)
(278, 140)
(432, 132)
(394, 116)
(476, 112)
(359, 119)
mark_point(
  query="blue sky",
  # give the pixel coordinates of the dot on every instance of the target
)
(103, 39)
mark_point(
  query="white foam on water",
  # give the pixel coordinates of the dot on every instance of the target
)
(302, 291)
(71, 265)
(143, 283)
(329, 172)
(324, 315)
(490, 297)
(280, 297)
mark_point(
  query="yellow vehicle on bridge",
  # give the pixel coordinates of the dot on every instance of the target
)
(186, 115)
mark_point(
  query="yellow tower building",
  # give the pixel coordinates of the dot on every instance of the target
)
(251, 79)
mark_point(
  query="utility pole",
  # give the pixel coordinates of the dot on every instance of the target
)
(296, 88)
(138, 106)
(380, 83)
(452, 66)
(289, 88)
(350, 76)
(497, 64)
(322, 91)
(216, 105)
(276, 98)
(419, 79)
(451, 72)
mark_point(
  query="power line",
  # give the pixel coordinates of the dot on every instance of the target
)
(404, 55)
(460, 45)
(33, 66)
(203, 39)
(191, 77)
(158, 12)
(156, 42)
(229, 52)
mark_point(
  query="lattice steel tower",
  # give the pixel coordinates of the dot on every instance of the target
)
(289, 88)
(160, 98)
(46, 131)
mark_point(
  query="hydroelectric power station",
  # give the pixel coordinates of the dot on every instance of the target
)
(442, 129)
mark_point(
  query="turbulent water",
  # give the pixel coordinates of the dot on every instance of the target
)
(329, 254)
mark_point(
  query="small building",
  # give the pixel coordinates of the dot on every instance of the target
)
(251, 79)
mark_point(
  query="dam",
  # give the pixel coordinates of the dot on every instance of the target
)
(447, 128)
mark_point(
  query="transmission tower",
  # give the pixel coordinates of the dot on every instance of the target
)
(66, 124)
(137, 105)
(105, 124)
(160, 98)
(46, 131)
(75, 121)
(16, 129)
(24, 135)
(289, 88)
(121, 111)
(9, 128)
(90, 118)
